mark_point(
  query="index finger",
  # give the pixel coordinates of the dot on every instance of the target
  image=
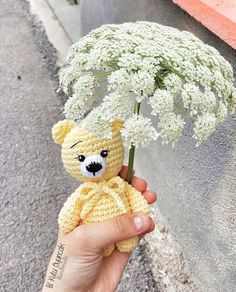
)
(124, 171)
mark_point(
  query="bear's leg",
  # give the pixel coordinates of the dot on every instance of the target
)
(127, 245)
(108, 250)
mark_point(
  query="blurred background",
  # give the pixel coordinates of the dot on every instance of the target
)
(194, 245)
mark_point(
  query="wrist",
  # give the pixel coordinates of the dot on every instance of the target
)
(59, 286)
(54, 281)
(56, 289)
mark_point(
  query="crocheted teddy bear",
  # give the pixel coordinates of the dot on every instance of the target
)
(103, 195)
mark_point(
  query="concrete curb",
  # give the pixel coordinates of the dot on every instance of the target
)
(68, 16)
(61, 22)
(54, 31)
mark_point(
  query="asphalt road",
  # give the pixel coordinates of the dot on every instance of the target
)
(33, 182)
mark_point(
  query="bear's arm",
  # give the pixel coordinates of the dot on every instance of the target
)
(70, 213)
(137, 200)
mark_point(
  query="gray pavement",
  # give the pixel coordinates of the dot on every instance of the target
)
(33, 182)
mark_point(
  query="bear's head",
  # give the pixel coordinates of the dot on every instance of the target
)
(86, 156)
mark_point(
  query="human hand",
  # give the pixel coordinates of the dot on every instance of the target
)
(77, 264)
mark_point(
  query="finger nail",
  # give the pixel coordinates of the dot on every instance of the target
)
(138, 222)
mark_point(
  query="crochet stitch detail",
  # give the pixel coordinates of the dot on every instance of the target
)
(103, 195)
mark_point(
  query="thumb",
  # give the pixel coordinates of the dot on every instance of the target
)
(96, 236)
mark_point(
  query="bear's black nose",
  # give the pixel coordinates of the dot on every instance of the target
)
(94, 167)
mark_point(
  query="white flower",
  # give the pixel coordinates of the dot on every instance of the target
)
(204, 75)
(117, 106)
(138, 130)
(208, 102)
(222, 112)
(142, 84)
(74, 109)
(95, 123)
(204, 126)
(172, 70)
(80, 49)
(67, 77)
(173, 83)
(79, 61)
(84, 86)
(187, 70)
(102, 52)
(221, 85)
(82, 99)
(114, 106)
(150, 64)
(161, 102)
(130, 61)
(191, 97)
(171, 126)
(119, 80)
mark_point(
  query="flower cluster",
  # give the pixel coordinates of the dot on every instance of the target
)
(161, 102)
(138, 130)
(114, 107)
(173, 71)
(204, 126)
(171, 125)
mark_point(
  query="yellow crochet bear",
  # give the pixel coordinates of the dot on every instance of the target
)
(103, 194)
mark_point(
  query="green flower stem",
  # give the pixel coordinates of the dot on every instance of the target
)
(103, 74)
(101, 93)
(101, 80)
(132, 149)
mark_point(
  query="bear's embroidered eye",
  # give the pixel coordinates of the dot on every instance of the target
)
(104, 153)
(81, 158)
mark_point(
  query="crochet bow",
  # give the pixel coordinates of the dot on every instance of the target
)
(90, 192)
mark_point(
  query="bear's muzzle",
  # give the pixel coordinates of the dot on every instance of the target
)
(94, 167)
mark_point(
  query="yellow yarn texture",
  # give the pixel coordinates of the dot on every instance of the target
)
(60, 130)
(103, 195)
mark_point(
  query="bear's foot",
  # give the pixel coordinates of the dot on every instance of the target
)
(108, 250)
(127, 245)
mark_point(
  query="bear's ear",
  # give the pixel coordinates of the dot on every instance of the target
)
(61, 129)
(117, 125)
